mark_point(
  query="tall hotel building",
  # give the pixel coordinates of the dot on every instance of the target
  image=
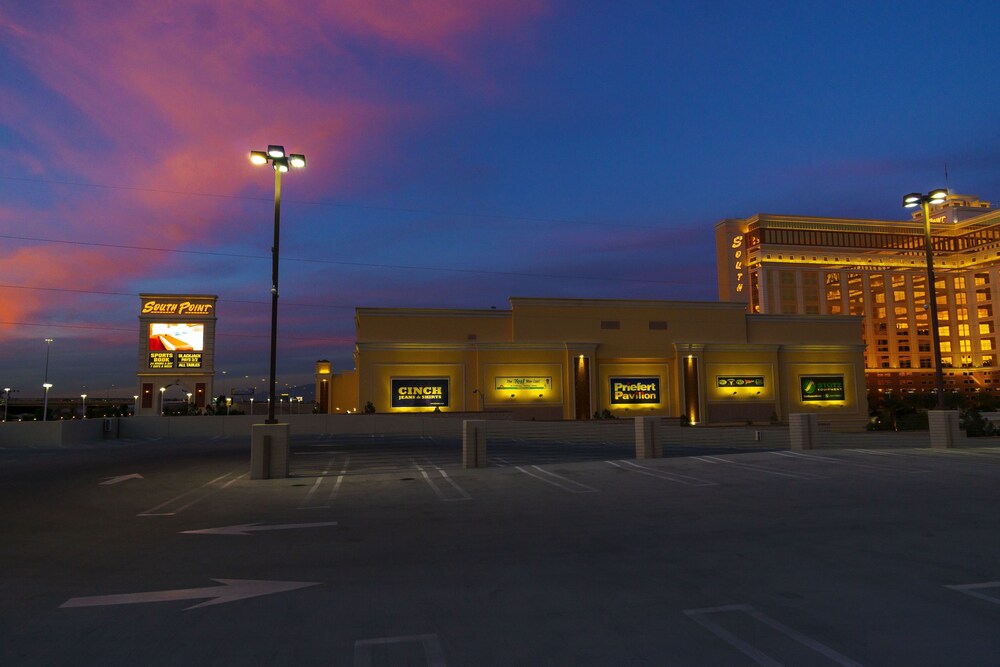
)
(784, 264)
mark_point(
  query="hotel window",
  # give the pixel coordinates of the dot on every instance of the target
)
(855, 294)
(959, 283)
(964, 345)
(962, 314)
(986, 344)
(984, 312)
(963, 330)
(882, 344)
(925, 363)
(904, 363)
(904, 346)
(943, 315)
(986, 328)
(960, 298)
(923, 346)
(833, 304)
(946, 346)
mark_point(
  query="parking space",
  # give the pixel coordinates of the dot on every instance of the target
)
(839, 557)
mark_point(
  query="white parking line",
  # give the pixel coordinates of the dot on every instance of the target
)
(463, 495)
(750, 466)
(661, 474)
(441, 494)
(855, 464)
(199, 494)
(433, 652)
(315, 487)
(974, 590)
(567, 485)
(752, 652)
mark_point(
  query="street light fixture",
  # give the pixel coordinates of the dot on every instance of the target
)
(45, 382)
(163, 408)
(6, 401)
(280, 162)
(135, 404)
(83, 397)
(924, 201)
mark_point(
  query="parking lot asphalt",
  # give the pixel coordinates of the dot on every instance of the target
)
(389, 553)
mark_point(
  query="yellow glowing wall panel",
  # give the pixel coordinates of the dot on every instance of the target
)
(519, 384)
(730, 380)
(382, 376)
(639, 372)
(435, 326)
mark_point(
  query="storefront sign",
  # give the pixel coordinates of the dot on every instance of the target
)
(154, 307)
(738, 259)
(523, 383)
(419, 392)
(161, 360)
(628, 391)
(189, 360)
(822, 387)
(739, 380)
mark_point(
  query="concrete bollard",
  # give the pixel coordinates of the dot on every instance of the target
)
(945, 429)
(474, 443)
(648, 438)
(268, 451)
(803, 430)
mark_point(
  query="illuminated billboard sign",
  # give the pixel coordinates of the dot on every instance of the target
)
(419, 392)
(523, 383)
(822, 387)
(632, 390)
(179, 308)
(176, 337)
(161, 360)
(739, 380)
(189, 360)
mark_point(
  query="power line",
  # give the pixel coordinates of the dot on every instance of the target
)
(336, 204)
(344, 341)
(367, 265)
(133, 295)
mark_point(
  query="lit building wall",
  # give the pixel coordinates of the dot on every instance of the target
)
(577, 358)
(877, 269)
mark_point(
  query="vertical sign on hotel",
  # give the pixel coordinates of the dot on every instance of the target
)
(738, 259)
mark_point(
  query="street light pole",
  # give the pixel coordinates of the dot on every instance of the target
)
(83, 397)
(135, 405)
(6, 401)
(924, 201)
(45, 384)
(280, 162)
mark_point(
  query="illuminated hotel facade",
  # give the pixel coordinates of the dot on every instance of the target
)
(877, 269)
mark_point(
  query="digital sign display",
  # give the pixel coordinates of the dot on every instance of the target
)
(161, 360)
(189, 360)
(419, 392)
(822, 387)
(176, 337)
(739, 380)
(633, 390)
(523, 383)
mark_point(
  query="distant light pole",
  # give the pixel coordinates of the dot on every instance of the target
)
(135, 404)
(924, 201)
(251, 406)
(45, 383)
(6, 401)
(163, 407)
(280, 162)
(83, 397)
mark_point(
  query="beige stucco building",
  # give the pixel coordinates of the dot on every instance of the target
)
(574, 358)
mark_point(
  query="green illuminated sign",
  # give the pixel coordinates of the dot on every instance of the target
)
(822, 387)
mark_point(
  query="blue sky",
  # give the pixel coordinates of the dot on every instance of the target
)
(459, 153)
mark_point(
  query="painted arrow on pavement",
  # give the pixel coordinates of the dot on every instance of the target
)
(247, 528)
(231, 590)
(120, 478)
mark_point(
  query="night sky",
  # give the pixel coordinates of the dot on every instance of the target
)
(459, 153)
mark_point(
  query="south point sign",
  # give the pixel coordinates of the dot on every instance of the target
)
(179, 308)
